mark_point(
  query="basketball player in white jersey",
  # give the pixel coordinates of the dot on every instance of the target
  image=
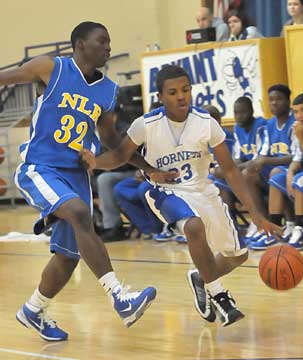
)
(177, 138)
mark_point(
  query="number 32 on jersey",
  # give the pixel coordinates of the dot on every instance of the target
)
(63, 135)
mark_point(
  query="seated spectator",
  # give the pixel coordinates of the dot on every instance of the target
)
(275, 156)
(206, 19)
(248, 134)
(295, 10)
(240, 26)
(289, 185)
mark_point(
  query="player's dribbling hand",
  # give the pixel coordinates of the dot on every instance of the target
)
(163, 177)
(87, 159)
(266, 226)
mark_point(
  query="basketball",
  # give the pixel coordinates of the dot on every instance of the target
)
(281, 267)
(3, 187)
(1, 154)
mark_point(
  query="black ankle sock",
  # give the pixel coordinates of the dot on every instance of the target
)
(299, 220)
(276, 219)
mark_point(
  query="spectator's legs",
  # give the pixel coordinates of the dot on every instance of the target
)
(108, 206)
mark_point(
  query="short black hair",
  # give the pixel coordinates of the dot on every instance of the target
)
(298, 100)
(213, 112)
(284, 89)
(245, 100)
(169, 72)
(83, 29)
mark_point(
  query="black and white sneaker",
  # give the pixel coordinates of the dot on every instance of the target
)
(202, 298)
(225, 307)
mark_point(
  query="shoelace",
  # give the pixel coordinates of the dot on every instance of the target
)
(226, 301)
(45, 318)
(124, 294)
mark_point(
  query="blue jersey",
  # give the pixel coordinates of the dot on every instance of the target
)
(278, 141)
(229, 140)
(65, 116)
(248, 143)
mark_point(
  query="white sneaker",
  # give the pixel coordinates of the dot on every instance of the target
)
(287, 231)
(251, 230)
(296, 239)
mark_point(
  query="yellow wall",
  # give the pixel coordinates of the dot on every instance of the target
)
(131, 23)
(294, 55)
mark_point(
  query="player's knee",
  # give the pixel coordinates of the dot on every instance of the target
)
(194, 229)
(274, 171)
(67, 263)
(79, 215)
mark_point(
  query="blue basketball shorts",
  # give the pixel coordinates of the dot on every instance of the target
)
(278, 181)
(176, 207)
(46, 188)
(298, 181)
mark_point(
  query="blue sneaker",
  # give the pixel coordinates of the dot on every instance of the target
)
(263, 243)
(131, 305)
(180, 239)
(42, 323)
(257, 236)
(164, 236)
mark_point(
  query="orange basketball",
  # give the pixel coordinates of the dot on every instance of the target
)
(281, 267)
(2, 152)
(3, 187)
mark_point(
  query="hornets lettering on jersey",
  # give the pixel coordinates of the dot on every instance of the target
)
(56, 137)
(189, 156)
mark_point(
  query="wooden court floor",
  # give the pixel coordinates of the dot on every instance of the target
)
(171, 329)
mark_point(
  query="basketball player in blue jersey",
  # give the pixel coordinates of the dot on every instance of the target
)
(289, 184)
(248, 134)
(177, 137)
(76, 98)
(275, 156)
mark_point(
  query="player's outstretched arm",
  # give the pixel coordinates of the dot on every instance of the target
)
(35, 70)
(241, 190)
(111, 159)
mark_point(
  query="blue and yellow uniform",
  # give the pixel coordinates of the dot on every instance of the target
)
(247, 146)
(64, 121)
(279, 141)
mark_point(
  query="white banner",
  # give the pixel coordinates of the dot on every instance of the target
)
(218, 76)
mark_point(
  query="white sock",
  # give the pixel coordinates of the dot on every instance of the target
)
(110, 283)
(214, 287)
(37, 301)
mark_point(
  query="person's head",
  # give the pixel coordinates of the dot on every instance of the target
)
(91, 41)
(279, 99)
(214, 112)
(237, 21)
(243, 111)
(295, 8)
(297, 108)
(204, 17)
(174, 91)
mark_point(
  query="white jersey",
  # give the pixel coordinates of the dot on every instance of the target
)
(179, 146)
